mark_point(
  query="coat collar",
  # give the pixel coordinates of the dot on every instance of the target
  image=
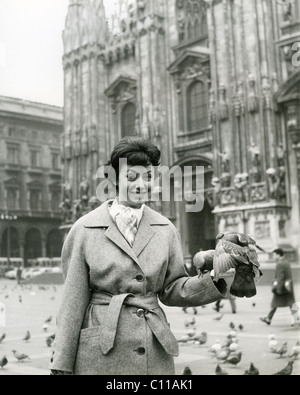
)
(101, 218)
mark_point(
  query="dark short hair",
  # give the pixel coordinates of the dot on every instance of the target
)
(137, 150)
(279, 251)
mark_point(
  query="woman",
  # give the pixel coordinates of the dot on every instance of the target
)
(283, 289)
(117, 261)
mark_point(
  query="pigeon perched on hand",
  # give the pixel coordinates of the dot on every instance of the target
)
(237, 251)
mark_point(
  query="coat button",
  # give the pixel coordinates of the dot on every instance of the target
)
(140, 313)
(141, 351)
(140, 278)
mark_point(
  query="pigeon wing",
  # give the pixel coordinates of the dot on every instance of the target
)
(253, 258)
(228, 256)
(245, 239)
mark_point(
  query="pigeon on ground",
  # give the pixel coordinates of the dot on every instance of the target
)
(253, 371)
(50, 340)
(234, 358)
(20, 356)
(223, 354)
(241, 327)
(2, 337)
(48, 320)
(216, 347)
(273, 343)
(233, 347)
(187, 371)
(27, 336)
(220, 371)
(191, 333)
(229, 341)
(219, 317)
(232, 326)
(287, 371)
(200, 339)
(189, 322)
(237, 251)
(295, 351)
(184, 339)
(3, 362)
(281, 350)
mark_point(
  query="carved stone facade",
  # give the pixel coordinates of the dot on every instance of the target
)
(212, 83)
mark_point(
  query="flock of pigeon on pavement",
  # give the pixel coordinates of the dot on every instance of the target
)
(229, 353)
(17, 355)
(225, 354)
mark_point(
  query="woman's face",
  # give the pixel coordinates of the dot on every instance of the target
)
(134, 185)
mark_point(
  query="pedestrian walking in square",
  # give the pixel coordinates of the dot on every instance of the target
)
(283, 289)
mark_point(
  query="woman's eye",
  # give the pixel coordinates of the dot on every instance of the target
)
(131, 177)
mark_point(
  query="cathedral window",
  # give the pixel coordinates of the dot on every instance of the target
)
(197, 108)
(128, 118)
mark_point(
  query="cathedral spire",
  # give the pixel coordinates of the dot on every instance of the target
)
(85, 24)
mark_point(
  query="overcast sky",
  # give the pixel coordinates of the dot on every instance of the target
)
(31, 49)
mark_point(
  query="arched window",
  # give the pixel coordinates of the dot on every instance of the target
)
(128, 120)
(197, 107)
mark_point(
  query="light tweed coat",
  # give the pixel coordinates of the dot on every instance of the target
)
(96, 258)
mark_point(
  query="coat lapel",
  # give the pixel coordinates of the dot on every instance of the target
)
(143, 236)
(116, 237)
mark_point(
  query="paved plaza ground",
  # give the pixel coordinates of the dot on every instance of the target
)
(28, 308)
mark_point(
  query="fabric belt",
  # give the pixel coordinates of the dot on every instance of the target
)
(148, 303)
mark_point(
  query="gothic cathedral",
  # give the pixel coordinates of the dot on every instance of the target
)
(213, 83)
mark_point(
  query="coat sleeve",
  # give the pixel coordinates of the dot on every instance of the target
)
(183, 291)
(75, 300)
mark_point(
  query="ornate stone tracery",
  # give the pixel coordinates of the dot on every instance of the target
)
(191, 19)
